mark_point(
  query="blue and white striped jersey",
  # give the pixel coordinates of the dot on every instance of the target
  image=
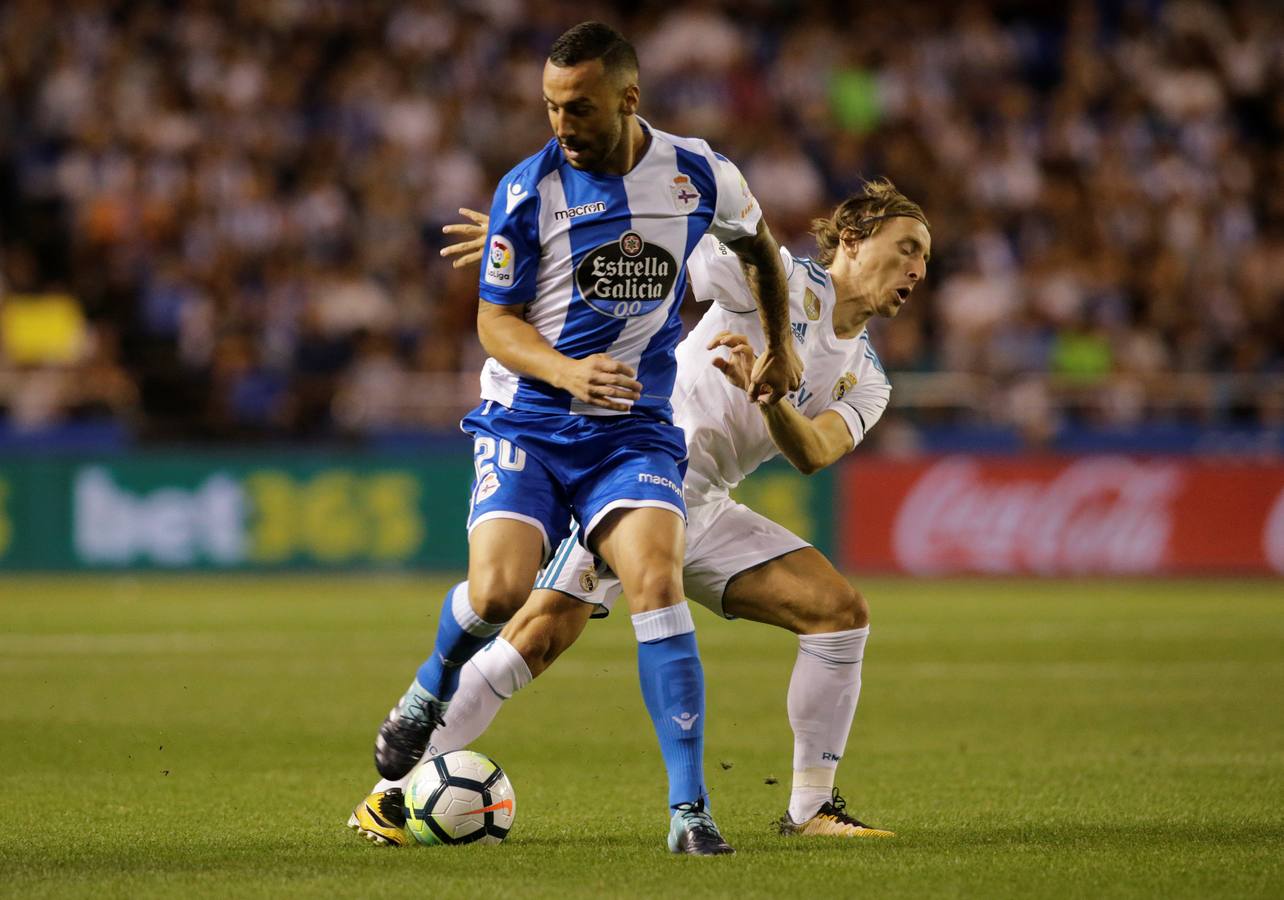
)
(600, 261)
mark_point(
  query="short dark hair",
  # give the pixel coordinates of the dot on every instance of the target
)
(594, 40)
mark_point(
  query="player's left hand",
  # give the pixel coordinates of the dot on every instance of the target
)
(777, 372)
(738, 367)
(467, 252)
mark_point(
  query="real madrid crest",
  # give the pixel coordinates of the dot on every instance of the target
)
(844, 384)
(588, 581)
(811, 305)
(685, 197)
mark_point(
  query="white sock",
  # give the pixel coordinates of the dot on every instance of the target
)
(494, 674)
(822, 701)
(659, 624)
(502, 667)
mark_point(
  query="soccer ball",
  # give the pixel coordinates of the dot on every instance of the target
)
(460, 797)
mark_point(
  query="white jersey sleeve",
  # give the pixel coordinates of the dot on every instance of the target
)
(737, 213)
(862, 402)
(716, 275)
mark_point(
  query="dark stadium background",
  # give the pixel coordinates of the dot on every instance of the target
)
(225, 317)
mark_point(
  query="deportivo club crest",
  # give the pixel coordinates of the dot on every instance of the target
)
(811, 305)
(844, 384)
(487, 486)
(685, 197)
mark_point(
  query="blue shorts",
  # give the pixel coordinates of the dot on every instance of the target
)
(545, 469)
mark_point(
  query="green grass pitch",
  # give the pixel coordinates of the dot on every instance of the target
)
(1025, 738)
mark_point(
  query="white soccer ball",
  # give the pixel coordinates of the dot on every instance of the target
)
(460, 797)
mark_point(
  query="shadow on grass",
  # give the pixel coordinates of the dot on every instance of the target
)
(1070, 835)
(329, 852)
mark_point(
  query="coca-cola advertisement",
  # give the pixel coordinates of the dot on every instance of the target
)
(1093, 515)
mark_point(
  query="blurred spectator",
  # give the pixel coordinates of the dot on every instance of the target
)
(243, 200)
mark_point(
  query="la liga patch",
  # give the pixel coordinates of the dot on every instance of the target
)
(501, 262)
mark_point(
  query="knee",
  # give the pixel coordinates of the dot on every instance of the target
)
(496, 595)
(859, 609)
(654, 587)
(839, 608)
(545, 626)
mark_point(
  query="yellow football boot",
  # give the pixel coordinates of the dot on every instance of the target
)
(831, 821)
(381, 819)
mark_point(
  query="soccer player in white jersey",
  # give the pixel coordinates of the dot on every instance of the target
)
(583, 276)
(873, 252)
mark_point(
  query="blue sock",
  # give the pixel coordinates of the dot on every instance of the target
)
(460, 634)
(672, 681)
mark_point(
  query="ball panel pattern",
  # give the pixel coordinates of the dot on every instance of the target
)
(461, 797)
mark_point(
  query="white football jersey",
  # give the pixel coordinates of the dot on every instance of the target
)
(599, 261)
(727, 437)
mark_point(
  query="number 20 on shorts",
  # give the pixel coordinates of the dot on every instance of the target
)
(512, 459)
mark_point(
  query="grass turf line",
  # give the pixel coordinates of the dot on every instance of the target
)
(210, 736)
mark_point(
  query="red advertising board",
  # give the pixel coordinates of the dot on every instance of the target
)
(1087, 515)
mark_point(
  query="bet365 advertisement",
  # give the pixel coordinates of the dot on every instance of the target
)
(180, 512)
(1090, 515)
(253, 512)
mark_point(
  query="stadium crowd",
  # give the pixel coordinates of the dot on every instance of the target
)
(243, 200)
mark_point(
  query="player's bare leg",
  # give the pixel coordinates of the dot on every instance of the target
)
(546, 625)
(504, 555)
(645, 548)
(803, 593)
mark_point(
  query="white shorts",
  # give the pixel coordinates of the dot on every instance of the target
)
(724, 538)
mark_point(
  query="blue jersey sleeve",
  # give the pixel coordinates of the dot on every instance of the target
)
(511, 261)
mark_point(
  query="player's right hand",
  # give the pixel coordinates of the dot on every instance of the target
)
(738, 367)
(469, 251)
(601, 381)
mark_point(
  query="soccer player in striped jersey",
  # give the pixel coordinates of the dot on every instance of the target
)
(584, 270)
(873, 252)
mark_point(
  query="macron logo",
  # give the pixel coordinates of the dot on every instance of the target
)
(516, 194)
(648, 478)
(686, 720)
(576, 211)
